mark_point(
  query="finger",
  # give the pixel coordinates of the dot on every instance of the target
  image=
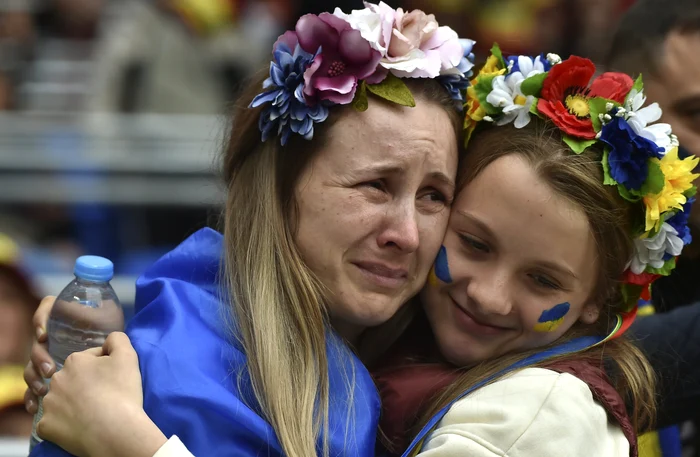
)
(46, 427)
(31, 402)
(41, 360)
(34, 380)
(41, 317)
(118, 344)
(94, 352)
(76, 359)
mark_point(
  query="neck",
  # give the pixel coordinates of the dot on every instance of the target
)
(348, 331)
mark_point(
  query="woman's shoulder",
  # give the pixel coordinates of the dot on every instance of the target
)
(534, 411)
(195, 379)
(196, 261)
(180, 308)
(183, 284)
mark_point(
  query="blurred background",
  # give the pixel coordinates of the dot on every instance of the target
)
(112, 113)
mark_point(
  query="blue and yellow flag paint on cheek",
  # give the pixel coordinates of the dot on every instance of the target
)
(551, 319)
(440, 270)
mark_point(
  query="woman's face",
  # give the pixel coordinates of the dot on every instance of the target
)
(373, 208)
(517, 268)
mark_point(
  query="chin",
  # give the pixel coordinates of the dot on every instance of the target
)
(460, 351)
(371, 311)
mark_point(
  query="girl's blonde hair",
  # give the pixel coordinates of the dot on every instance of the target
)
(279, 305)
(578, 178)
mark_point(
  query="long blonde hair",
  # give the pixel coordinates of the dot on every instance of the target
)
(579, 178)
(279, 305)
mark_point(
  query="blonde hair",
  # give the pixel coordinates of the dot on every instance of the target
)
(279, 305)
(578, 178)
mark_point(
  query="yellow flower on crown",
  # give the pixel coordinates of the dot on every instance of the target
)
(475, 112)
(678, 178)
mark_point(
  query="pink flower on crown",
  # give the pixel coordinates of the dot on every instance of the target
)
(344, 59)
(412, 44)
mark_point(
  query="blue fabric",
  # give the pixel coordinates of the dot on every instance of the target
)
(670, 441)
(195, 379)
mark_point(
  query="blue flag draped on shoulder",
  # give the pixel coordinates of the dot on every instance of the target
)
(195, 380)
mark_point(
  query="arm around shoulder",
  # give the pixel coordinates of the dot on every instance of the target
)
(532, 413)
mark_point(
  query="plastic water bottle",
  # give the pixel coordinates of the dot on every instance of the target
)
(84, 313)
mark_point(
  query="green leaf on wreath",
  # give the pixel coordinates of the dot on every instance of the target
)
(533, 85)
(394, 90)
(577, 145)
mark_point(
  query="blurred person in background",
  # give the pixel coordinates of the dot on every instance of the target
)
(70, 19)
(54, 78)
(17, 36)
(181, 56)
(661, 41)
(530, 26)
(18, 301)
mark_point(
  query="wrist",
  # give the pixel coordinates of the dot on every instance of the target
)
(135, 436)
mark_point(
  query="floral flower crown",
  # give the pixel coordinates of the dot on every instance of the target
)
(640, 158)
(334, 59)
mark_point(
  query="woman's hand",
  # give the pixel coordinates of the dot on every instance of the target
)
(95, 404)
(41, 364)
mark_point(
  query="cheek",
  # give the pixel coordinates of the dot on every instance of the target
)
(544, 326)
(431, 233)
(551, 319)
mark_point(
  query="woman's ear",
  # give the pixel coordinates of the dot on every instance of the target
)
(590, 313)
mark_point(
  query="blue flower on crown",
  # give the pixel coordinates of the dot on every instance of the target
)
(628, 158)
(679, 221)
(458, 81)
(288, 110)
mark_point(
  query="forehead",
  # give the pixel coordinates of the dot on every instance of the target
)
(391, 133)
(525, 214)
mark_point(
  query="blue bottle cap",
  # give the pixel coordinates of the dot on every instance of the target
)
(94, 268)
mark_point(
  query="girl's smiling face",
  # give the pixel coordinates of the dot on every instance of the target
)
(518, 267)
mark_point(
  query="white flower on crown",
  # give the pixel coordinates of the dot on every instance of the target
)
(411, 43)
(553, 59)
(374, 22)
(527, 67)
(651, 251)
(641, 119)
(506, 94)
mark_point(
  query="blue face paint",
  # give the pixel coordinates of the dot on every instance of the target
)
(440, 270)
(551, 319)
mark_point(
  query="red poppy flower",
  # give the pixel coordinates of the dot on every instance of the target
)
(645, 280)
(565, 94)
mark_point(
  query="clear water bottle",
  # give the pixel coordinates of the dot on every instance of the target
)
(84, 313)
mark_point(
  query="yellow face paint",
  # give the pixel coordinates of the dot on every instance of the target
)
(551, 319)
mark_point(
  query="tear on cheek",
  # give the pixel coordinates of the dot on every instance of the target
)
(552, 318)
(441, 269)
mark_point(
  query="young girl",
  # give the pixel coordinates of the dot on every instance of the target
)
(570, 205)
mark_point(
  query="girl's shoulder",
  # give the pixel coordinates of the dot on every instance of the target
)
(534, 411)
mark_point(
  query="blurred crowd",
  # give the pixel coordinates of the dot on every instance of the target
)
(188, 57)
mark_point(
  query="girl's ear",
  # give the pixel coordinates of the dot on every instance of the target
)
(590, 313)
